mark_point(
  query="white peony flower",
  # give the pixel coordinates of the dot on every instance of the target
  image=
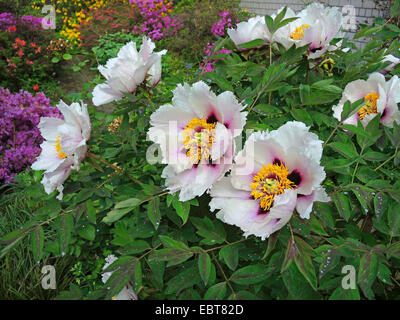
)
(275, 173)
(246, 31)
(127, 292)
(394, 61)
(380, 96)
(317, 25)
(64, 145)
(127, 71)
(195, 135)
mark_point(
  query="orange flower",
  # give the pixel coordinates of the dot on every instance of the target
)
(36, 87)
(33, 45)
(20, 53)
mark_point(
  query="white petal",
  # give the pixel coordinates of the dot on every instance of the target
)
(229, 109)
(103, 94)
(193, 182)
(55, 179)
(48, 127)
(295, 134)
(305, 203)
(168, 115)
(223, 141)
(48, 159)
(309, 170)
(224, 189)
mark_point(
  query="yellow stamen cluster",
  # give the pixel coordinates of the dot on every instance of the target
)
(270, 181)
(60, 153)
(370, 105)
(198, 139)
(298, 34)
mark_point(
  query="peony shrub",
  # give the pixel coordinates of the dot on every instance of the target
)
(262, 179)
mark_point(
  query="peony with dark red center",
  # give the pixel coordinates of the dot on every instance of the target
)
(275, 173)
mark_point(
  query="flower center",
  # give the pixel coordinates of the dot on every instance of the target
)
(270, 181)
(299, 32)
(369, 106)
(60, 153)
(199, 136)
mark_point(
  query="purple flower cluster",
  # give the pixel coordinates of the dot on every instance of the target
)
(208, 64)
(8, 20)
(157, 23)
(218, 28)
(222, 24)
(19, 136)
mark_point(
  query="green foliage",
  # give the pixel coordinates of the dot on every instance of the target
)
(168, 249)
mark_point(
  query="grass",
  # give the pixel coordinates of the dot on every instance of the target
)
(20, 275)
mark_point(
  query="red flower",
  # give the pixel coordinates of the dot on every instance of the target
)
(12, 29)
(20, 53)
(38, 49)
(20, 42)
(33, 45)
(29, 61)
(36, 87)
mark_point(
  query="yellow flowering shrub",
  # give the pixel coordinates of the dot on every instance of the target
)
(73, 13)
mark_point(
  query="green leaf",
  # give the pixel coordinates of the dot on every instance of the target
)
(129, 203)
(367, 273)
(123, 270)
(271, 243)
(173, 256)
(204, 263)
(153, 212)
(219, 80)
(302, 115)
(384, 274)
(174, 244)
(394, 250)
(250, 275)
(116, 214)
(345, 294)
(64, 231)
(267, 109)
(304, 263)
(243, 295)
(365, 31)
(342, 204)
(37, 237)
(87, 232)
(90, 211)
(252, 44)
(357, 130)
(183, 280)
(212, 231)
(216, 292)
(230, 255)
(182, 209)
(346, 149)
(317, 226)
(67, 56)
(374, 156)
(270, 23)
(395, 8)
(380, 204)
(394, 219)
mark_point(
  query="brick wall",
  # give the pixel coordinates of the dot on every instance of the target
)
(365, 10)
